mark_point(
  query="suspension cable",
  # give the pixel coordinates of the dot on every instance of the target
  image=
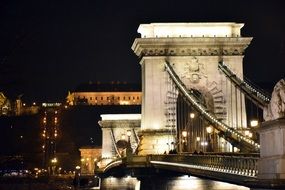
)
(234, 135)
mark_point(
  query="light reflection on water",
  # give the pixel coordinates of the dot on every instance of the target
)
(171, 183)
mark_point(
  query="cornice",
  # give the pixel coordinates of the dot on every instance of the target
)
(190, 46)
(119, 123)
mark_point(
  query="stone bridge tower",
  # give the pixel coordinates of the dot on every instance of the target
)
(194, 50)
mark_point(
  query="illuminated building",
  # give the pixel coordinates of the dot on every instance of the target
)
(89, 155)
(105, 94)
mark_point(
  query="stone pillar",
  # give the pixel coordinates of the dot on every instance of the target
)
(119, 124)
(194, 50)
(271, 165)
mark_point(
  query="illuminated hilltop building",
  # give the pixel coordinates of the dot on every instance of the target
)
(101, 94)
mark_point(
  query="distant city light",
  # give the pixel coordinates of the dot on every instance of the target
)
(54, 160)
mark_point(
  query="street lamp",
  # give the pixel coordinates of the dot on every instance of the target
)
(184, 134)
(77, 175)
(197, 143)
(184, 141)
(53, 165)
(209, 130)
(254, 123)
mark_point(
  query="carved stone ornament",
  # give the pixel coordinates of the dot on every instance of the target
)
(276, 107)
(194, 71)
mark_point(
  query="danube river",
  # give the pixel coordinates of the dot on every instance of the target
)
(171, 183)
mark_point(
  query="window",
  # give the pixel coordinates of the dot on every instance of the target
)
(101, 98)
(119, 98)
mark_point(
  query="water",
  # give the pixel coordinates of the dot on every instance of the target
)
(170, 183)
(130, 183)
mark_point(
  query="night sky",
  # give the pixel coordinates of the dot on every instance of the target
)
(49, 47)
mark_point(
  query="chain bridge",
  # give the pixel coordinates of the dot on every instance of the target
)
(195, 102)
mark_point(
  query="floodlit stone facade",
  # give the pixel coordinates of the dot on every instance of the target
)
(97, 94)
(194, 51)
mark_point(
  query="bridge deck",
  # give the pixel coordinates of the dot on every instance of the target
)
(241, 170)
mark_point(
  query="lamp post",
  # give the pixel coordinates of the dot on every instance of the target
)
(184, 140)
(198, 143)
(209, 130)
(53, 165)
(77, 175)
(191, 136)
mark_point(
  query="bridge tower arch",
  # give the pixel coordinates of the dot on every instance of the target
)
(194, 51)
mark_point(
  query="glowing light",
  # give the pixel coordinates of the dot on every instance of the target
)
(123, 137)
(129, 133)
(254, 123)
(192, 115)
(184, 134)
(198, 139)
(246, 132)
(190, 29)
(54, 160)
(209, 129)
(250, 135)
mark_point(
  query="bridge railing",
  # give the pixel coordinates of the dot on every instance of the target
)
(238, 165)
